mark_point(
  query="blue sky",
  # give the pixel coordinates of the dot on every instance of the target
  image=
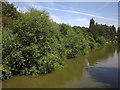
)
(76, 13)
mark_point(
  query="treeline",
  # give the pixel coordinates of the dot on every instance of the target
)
(34, 44)
(100, 31)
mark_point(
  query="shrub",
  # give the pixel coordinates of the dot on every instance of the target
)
(100, 40)
(31, 47)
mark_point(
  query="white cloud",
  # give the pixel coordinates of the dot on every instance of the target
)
(56, 19)
(78, 22)
(82, 22)
(22, 9)
(35, 6)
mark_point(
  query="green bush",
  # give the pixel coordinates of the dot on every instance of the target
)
(75, 41)
(100, 40)
(31, 47)
(91, 42)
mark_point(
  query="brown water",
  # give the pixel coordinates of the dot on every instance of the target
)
(97, 69)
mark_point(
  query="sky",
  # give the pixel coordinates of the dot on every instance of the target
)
(76, 13)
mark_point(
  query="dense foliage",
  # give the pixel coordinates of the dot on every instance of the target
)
(34, 44)
(108, 32)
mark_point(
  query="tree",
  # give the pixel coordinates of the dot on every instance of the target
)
(92, 22)
(9, 12)
(93, 28)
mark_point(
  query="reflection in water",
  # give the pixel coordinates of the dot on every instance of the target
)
(87, 63)
(105, 75)
(106, 69)
(101, 54)
(75, 74)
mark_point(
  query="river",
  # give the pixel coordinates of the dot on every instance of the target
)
(98, 69)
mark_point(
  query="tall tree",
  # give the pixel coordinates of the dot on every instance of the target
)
(92, 22)
(91, 25)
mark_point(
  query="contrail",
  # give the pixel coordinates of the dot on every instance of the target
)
(75, 12)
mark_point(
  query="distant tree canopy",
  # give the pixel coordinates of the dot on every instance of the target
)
(109, 32)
